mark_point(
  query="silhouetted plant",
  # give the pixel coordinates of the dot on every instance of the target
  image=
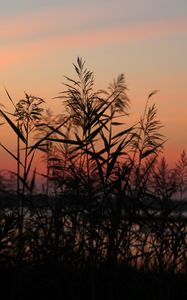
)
(49, 122)
(96, 155)
(181, 174)
(27, 114)
(109, 199)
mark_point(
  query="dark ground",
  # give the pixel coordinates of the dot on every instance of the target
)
(52, 281)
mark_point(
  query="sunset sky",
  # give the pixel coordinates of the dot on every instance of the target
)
(144, 39)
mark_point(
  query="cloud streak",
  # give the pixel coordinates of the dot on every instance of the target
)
(27, 50)
(48, 21)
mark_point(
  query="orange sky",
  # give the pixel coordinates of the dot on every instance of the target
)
(145, 40)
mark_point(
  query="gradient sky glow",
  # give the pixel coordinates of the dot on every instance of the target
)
(144, 39)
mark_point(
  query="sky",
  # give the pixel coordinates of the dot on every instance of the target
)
(144, 39)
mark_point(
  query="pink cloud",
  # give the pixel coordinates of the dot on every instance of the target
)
(50, 20)
(32, 49)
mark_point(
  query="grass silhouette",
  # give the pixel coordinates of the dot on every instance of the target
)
(111, 221)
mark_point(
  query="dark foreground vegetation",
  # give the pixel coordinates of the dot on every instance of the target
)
(110, 220)
(50, 281)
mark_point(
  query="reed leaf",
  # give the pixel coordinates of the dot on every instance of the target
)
(29, 166)
(12, 154)
(10, 98)
(38, 143)
(15, 129)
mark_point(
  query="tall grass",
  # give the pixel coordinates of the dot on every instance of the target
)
(109, 198)
(27, 113)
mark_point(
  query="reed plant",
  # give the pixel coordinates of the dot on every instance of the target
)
(27, 113)
(107, 168)
(110, 199)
